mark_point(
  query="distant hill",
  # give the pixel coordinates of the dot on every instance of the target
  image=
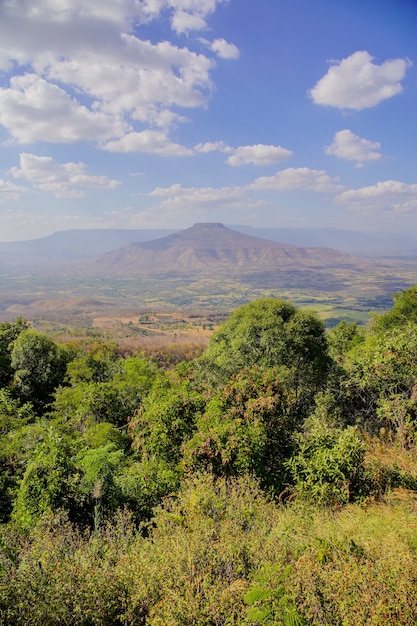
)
(364, 244)
(211, 247)
(82, 244)
(74, 245)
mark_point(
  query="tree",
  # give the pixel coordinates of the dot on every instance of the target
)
(166, 419)
(47, 481)
(99, 466)
(39, 367)
(382, 373)
(13, 417)
(144, 483)
(96, 363)
(8, 333)
(88, 402)
(269, 333)
(343, 338)
(246, 428)
(403, 312)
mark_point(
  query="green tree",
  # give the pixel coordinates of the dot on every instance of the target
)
(39, 366)
(13, 417)
(98, 467)
(96, 363)
(13, 414)
(89, 402)
(9, 331)
(166, 418)
(48, 482)
(403, 311)
(381, 375)
(269, 333)
(342, 338)
(144, 483)
(132, 380)
(246, 428)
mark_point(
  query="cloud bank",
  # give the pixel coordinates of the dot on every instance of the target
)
(83, 73)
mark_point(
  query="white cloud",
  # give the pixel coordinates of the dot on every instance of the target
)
(179, 206)
(148, 141)
(389, 196)
(141, 81)
(40, 11)
(34, 110)
(212, 146)
(178, 202)
(258, 154)
(176, 195)
(106, 15)
(347, 145)
(224, 49)
(63, 180)
(88, 76)
(183, 22)
(191, 15)
(35, 32)
(180, 199)
(297, 178)
(357, 83)
(9, 191)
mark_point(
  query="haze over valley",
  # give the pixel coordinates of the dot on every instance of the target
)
(78, 277)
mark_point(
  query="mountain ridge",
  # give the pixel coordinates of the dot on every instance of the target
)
(74, 245)
(207, 247)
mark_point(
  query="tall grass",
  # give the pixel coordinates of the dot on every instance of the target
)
(219, 554)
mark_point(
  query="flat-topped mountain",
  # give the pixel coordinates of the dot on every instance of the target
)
(75, 245)
(207, 247)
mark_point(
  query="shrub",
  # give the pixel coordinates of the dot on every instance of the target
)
(328, 467)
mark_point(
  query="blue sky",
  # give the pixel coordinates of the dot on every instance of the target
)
(163, 113)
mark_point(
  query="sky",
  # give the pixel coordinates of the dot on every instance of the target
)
(164, 113)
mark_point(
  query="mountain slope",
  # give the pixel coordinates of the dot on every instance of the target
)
(205, 248)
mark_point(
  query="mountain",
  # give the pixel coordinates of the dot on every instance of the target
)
(73, 245)
(366, 244)
(78, 244)
(211, 247)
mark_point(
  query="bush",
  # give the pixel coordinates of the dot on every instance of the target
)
(328, 467)
(195, 565)
(64, 577)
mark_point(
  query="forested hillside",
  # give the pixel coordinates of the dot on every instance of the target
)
(271, 480)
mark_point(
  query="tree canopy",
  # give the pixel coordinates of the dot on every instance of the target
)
(39, 366)
(270, 333)
(188, 494)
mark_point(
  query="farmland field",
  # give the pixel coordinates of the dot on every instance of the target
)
(191, 306)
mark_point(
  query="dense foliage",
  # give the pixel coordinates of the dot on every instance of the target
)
(270, 481)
